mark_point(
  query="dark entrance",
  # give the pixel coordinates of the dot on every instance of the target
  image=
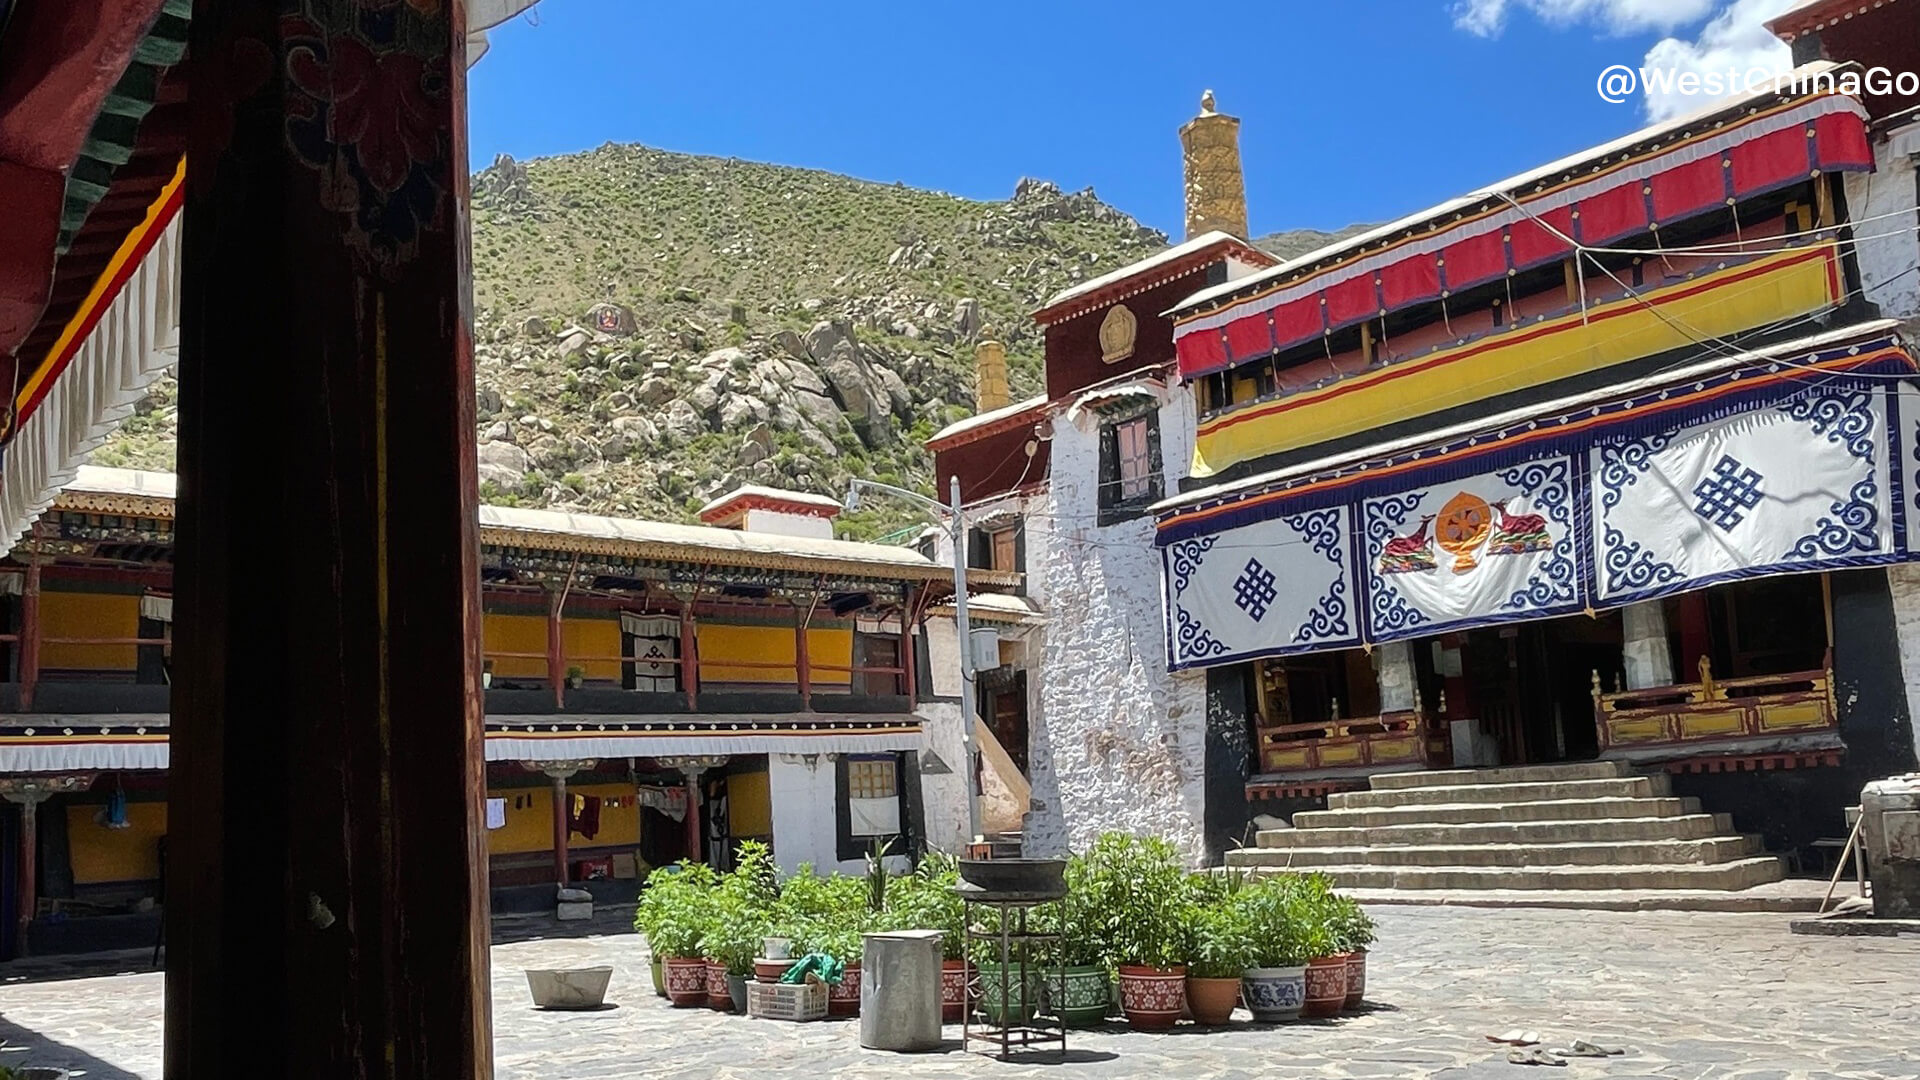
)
(1530, 685)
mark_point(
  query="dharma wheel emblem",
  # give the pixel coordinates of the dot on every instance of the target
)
(1462, 527)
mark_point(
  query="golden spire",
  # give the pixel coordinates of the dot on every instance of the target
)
(1216, 189)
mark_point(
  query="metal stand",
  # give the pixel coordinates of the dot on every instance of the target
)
(1025, 981)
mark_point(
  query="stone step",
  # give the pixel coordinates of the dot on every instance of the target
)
(1621, 787)
(1713, 849)
(1486, 812)
(1512, 774)
(1739, 874)
(1598, 830)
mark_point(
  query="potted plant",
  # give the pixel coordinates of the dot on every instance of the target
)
(486, 675)
(1138, 889)
(1326, 974)
(1282, 936)
(925, 900)
(673, 914)
(1219, 949)
(576, 675)
(1352, 931)
(1082, 944)
(827, 915)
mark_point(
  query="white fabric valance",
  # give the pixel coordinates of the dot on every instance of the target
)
(157, 608)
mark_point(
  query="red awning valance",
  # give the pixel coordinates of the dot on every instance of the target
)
(1737, 159)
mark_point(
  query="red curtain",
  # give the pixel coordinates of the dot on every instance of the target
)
(1771, 160)
(1474, 260)
(1297, 321)
(1201, 352)
(1249, 337)
(1689, 189)
(1351, 300)
(1534, 244)
(1410, 281)
(1612, 214)
(1842, 141)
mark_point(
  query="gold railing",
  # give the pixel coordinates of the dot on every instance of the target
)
(1395, 738)
(1716, 710)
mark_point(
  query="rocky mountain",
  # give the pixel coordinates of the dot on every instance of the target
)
(1297, 242)
(655, 328)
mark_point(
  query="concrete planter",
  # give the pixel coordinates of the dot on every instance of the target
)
(1275, 994)
(569, 988)
(686, 980)
(1326, 986)
(1212, 1000)
(1153, 997)
(1356, 979)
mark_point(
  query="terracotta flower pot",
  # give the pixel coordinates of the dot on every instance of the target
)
(1356, 979)
(686, 980)
(768, 971)
(1153, 997)
(844, 999)
(953, 991)
(1274, 994)
(1212, 1000)
(1089, 995)
(1326, 986)
(719, 996)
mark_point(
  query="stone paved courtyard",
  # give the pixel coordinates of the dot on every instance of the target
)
(1693, 995)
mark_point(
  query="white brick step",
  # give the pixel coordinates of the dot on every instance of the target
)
(1622, 787)
(1713, 849)
(1598, 830)
(1511, 774)
(1738, 874)
(1493, 812)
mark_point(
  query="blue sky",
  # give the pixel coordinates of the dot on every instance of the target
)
(1360, 110)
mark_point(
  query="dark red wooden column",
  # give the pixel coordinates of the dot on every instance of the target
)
(30, 633)
(326, 896)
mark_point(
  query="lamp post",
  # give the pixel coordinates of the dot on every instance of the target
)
(957, 530)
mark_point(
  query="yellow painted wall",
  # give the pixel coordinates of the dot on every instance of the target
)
(720, 643)
(530, 828)
(86, 614)
(103, 855)
(749, 805)
(528, 634)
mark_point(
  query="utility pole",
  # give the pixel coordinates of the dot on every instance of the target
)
(957, 532)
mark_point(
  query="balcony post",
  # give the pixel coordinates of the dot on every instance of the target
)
(1393, 667)
(556, 647)
(559, 772)
(689, 658)
(30, 634)
(802, 663)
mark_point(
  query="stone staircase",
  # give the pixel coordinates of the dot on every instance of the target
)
(1587, 826)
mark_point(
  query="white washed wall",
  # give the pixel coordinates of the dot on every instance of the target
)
(1123, 745)
(1889, 248)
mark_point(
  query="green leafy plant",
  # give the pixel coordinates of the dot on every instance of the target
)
(925, 900)
(676, 907)
(1136, 891)
(1219, 933)
(1348, 925)
(824, 914)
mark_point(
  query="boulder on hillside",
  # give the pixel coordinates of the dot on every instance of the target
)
(572, 340)
(535, 327)
(739, 410)
(655, 392)
(791, 344)
(968, 319)
(503, 463)
(611, 318)
(683, 420)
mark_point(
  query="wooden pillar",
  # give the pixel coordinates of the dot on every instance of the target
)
(327, 894)
(689, 658)
(26, 882)
(909, 658)
(560, 825)
(30, 634)
(802, 664)
(556, 648)
(695, 850)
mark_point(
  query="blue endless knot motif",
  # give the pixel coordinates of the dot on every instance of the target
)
(1253, 590)
(1723, 496)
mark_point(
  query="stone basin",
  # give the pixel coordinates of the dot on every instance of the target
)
(569, 988)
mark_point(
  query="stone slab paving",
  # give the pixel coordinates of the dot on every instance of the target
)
(1695, 995)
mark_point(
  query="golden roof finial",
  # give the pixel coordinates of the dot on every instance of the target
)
(1206, 101)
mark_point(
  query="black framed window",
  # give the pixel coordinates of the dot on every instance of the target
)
(1130, 470)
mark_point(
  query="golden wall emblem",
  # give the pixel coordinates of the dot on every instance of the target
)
(1116, 334)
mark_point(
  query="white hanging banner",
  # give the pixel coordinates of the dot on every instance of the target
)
(1804, 485)
(1279, 586)
(656, 642)
(1485, 549)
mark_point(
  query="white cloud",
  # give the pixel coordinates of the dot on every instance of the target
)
(1487, 18)
(1736, 40)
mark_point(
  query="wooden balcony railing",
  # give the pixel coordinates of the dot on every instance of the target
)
(1716, 710)
(1396, 738)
